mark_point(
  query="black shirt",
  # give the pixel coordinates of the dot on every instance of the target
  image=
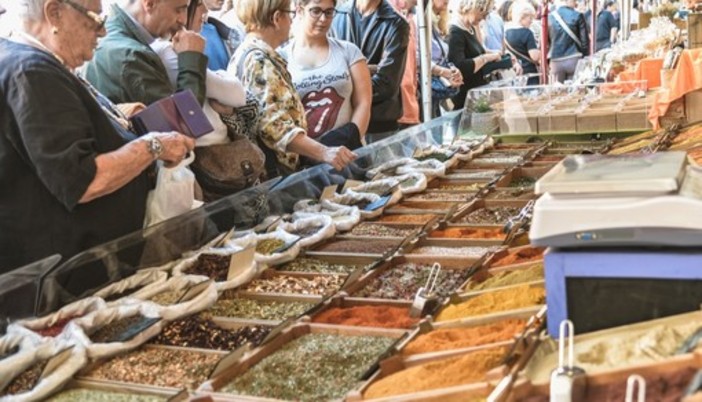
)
(522, 40)
(463, 47)
(51, 131)
(605, 23)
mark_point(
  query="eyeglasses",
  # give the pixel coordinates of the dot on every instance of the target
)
(99, 20)
(291, 12)
(316, 12)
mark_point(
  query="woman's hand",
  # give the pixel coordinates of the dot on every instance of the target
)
(492, 56)
(456, 77)
(338, 157)
(175, 147)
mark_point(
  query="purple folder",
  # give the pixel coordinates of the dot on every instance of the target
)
(179, 112)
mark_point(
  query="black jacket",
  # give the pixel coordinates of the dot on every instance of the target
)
(385, 45)
(562, 46)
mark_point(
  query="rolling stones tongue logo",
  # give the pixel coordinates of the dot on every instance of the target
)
(321, 109)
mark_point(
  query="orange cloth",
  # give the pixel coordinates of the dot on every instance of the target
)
(410, 79)
(687, 77)
(646, 69)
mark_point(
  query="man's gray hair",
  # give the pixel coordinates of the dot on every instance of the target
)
(32, 10)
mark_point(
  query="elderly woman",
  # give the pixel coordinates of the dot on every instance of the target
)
(282, 128)
(71, 178)
(520, 40)
(465, 46)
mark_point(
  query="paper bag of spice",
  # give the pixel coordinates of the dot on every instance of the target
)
(344, 217)
(412, 183)
(312, 230)
(115, 291)
(387, 186)
(53, 324)
(360, 200)
(276, 247)
(214, 263)
(17, 353)
(115, 330)
(202, 294)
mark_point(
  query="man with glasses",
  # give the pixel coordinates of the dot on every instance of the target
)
(382, 35)
(127, 70)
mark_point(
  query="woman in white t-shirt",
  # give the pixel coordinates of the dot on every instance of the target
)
(331, 76)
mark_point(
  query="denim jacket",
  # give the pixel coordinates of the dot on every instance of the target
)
(562, 46)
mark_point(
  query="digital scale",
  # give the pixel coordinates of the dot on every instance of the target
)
(626, 200)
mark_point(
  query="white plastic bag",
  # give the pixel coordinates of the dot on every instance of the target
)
(174, 193)
(344, 217)
(406, 185)
(77, 309)
(56, 379)
(202, 301)
(278, 258)
(77, 330)
(382, 186)
(136, 282)
(242, 275)
(351, 198)
(324, 222)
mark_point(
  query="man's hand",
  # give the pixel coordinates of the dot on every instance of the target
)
(338, 157)
(188, 41)
(130, 109)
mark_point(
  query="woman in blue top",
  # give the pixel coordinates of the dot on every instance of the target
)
(520, 40)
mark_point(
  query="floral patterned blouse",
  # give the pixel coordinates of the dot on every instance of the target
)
(265, 74)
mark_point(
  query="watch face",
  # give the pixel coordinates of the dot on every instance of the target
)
(156, 147)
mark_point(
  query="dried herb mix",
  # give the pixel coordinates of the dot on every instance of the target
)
(402, 282)
(512, 194)
(200, 332)
(490, 216)
(448, 251)
(448, 186)
(269, 246)
(407, 218)
(215, 267)
(311, 368)
(158, 366)
(120, 329)
(168, 297)
(232, 306)
(311, 264)
(439, 196)
(378, 230)
(522, 181)
(26, 380)
(359, 246)
(94, 395)
(318, 285)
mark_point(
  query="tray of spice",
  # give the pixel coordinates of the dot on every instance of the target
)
(270, 281)
(399, 380)
(478, 235)
(466, 250)
(456, 186)
(494, 163)
(325, 264)
(511, 193)
(488, 212)
(477, 175)
(401, 278)
(516, 257)
(169, 367)
(305, 362)
(265, 308)
(348, 311)
(505, 276)
(356, 247)
(437, 207)
(53, 324)
(429, 341)
(99, 391)
(527, 297)
(523, 177)
(443, 196)
(387, 230)
(406, 218)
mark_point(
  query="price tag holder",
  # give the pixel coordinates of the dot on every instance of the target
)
(239, 260)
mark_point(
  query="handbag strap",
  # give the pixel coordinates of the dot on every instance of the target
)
(517, 53)
(567, 29)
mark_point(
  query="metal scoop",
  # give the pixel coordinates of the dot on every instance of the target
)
(425, 295)
(567, 381)
(632, 382)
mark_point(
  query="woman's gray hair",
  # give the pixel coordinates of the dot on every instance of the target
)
(483, 6)
(520, 9)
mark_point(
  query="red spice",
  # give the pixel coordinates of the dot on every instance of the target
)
(468, 233)
(517, 257)
(368, 316)
(55, 329)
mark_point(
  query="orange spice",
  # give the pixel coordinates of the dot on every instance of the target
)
(368, 316)
(492, 302)
(402, 218)
(519, 256)
(457, 338)
(468, 233)
(466, 369)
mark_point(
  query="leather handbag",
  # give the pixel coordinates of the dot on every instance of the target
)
(180, 112)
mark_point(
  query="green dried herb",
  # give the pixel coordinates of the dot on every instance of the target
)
(309, 264)
(168, 297)
(311, 368)
(401, 282)
(269, 246)
(94, 395)
(273, 310)
(317, 285)
(377, 230)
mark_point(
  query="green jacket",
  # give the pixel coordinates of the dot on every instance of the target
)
(126, 69)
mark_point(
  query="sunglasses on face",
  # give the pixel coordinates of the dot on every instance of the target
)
(99, 20)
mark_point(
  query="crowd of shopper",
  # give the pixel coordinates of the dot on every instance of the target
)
(72, 74)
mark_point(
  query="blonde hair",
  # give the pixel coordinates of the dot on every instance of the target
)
(483, 6)
(520, 9)
(258, 14)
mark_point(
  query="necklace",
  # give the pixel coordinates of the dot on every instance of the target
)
(470, 29)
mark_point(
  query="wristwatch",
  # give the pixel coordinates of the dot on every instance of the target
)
(155, 146)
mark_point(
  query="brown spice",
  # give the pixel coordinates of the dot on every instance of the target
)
(360, 246)
(457, 338)
(401, 218)
(468, 233)
(121, 329)
(201, 332)
(368, 316)
(444, 373)
(501, 300)
(507, 278)
(215, 267)
(26, 380)
(317, 285)
(519, 256)
(377, 230)
(490, 216)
